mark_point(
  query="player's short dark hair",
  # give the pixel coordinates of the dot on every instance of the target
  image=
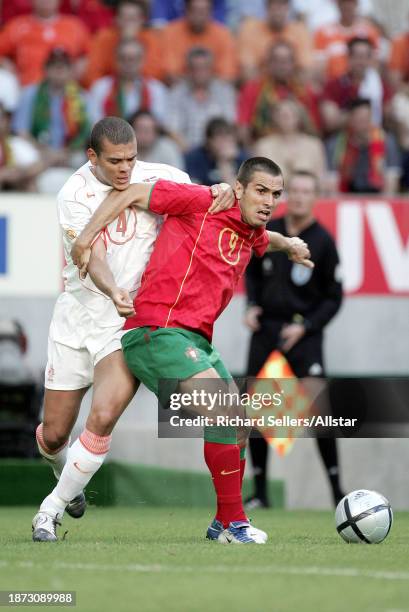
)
(359, 40)
(308, 174)
(114, 129)
(257, 164)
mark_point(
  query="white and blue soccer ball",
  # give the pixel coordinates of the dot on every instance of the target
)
(363, 517)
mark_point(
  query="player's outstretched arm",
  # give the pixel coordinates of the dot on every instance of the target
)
(135, 195)
(102, 276)
(296, 249)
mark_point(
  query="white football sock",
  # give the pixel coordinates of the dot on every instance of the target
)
(80, 467)
(55, 460)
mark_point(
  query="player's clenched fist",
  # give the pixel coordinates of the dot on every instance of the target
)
(298, 252)
(123, 302)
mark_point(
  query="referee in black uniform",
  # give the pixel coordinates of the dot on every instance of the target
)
(288, 307)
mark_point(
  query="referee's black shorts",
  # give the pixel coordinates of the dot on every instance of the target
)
(305, 358)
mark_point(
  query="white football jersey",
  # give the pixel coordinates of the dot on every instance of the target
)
(129, 239)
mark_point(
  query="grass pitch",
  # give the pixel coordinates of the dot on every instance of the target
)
(156, 559)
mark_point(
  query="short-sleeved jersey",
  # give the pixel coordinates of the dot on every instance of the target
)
(129, 239)
(197, 261)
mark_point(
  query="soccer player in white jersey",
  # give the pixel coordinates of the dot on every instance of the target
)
(84, 345)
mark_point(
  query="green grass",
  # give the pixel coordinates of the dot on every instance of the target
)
(156, 559)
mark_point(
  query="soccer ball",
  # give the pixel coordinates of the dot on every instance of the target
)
(363, 517)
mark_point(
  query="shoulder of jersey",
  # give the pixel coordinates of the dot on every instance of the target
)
(74, 184)
(152, 172)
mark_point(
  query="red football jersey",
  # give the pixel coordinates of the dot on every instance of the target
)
(197, 260)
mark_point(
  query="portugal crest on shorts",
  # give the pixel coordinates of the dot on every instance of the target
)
(192, 353)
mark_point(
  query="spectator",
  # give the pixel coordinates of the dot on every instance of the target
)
(9, 90)
(127, 92)
(361, 80)
(198, 98)
(363, 158)
(153, 143)
(319, 13)
(330, 41)
(281, 81)
(198, 29)
(256, 36)
(130, 23)
(20, 162)
(163, 11)
(289, 146)
(218, 160)
(28, 40)
(54, 112)
(399, 59)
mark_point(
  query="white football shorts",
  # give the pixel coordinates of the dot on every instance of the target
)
(75, 345)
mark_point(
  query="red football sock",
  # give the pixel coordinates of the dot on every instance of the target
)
(242, 464)
(223, 461)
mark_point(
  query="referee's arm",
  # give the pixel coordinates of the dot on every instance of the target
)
(331, 287)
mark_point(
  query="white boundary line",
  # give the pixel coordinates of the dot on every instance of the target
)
(347, 572)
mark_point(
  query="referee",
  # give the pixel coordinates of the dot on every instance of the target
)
(288, 308)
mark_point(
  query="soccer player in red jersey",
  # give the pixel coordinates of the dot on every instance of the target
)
(190, 278)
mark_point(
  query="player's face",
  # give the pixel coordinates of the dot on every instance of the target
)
(302, 193)
(114, 165)
(259, 199)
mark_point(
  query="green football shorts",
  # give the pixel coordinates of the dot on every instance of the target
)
(172, 354)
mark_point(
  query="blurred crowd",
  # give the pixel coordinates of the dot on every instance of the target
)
(316, 85)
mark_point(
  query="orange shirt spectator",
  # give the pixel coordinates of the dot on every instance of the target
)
(330, 41)
(130, 21)
(103, 53)
(255, 37)
(399, 60)
(29, 39)
(198, 29)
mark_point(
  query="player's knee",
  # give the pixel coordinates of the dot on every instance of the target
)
(54, 437)
(102, 420)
